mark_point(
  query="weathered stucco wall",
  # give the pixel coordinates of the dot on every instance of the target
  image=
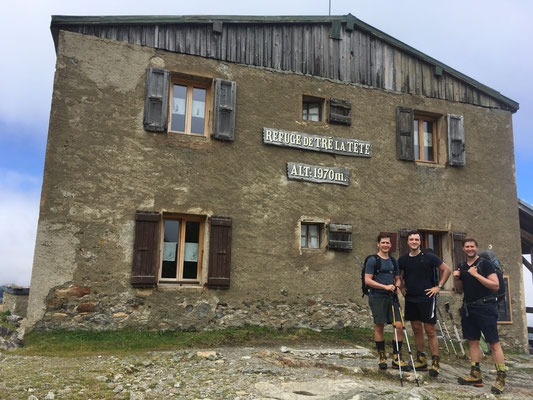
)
(101, 166)
(16, 304)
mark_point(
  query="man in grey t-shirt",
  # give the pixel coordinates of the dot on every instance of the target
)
(382, 275)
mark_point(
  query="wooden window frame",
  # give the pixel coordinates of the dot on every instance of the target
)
(190, 84)
(181, 248)
(307, 99)
(319, 228)
(425, 240)
(420, 134)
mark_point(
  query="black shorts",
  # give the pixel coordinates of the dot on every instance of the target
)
(382, 310)
(424, 311)
(480, 318)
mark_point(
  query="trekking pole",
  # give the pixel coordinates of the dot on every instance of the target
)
(443, 337)
(447, 332)
(459, 340)
(397, 349)
(406, 339)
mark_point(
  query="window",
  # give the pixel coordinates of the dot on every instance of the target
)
(425, 139)
(189, 106)
(169, 249)
(310, 236)
(184, 106)
(433, 241)
(182, 249)
(312, 108)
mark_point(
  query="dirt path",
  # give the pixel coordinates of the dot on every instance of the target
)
(243, 373)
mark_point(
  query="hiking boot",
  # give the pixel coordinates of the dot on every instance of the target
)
(435, 364)
(382, 363)
(395, 364)
(498, 387)
(473, 378)
(420, 362)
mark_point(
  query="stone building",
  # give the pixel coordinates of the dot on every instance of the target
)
(204, 172)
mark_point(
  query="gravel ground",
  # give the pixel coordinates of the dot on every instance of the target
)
(243, 373)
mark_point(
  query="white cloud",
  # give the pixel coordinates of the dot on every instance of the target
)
(19, 213)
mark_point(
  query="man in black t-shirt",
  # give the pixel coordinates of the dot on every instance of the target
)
(477, 279)
(420, 287)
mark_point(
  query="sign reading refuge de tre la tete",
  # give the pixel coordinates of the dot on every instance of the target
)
(326, 144)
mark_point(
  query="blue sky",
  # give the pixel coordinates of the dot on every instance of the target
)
(490, 41)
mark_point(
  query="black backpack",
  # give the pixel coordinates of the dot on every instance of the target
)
(377, 269)
(499, 294)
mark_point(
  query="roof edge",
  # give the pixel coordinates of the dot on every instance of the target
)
(349, 19)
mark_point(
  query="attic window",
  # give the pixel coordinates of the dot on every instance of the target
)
(189, 107)
(312, 108)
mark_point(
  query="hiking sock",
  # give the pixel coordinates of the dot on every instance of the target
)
(394, 349)
(500, 367)
(380, 345)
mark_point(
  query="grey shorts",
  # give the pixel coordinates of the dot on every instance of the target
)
(382, 310)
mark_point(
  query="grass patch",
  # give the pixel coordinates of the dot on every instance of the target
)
(3, 315)
(76, 343)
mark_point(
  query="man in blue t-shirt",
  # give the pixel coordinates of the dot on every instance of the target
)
(477, 279)
(382, 276)
(420, 287)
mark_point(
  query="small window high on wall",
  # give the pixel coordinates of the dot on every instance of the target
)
(312, 108)
(189, 106)
(425, 139)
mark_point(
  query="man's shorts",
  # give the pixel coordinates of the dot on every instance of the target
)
(382, 309)
(480, 318)
(423, 311)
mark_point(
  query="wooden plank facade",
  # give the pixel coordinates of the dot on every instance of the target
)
(343, 49)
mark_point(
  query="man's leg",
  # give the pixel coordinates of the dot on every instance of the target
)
(380, 345)
(474, 377)
(497, 354)
(433, 341)
(378, 332)
(420, 361)
(475, 351)
(418, 331)
(399, 329)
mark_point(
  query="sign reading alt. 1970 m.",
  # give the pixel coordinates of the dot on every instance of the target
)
(326, 144)
(318, 173)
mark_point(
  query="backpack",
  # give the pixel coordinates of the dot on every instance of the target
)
(489, 255)
(377, 269)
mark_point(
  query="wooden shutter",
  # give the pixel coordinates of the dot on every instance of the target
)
(218, 276)
(403, 248)
(340, 237)
(225, 101)
(456, 141)
(458, 253)
(404, 134)
(156, 101)
(144, 267)
(340, 112)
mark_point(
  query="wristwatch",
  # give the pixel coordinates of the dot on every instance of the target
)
(440, 286)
